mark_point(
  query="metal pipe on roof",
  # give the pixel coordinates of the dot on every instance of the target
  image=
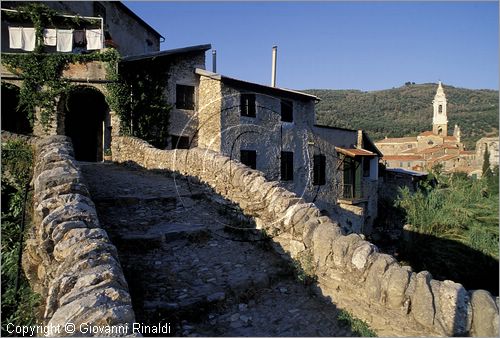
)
(273, 75)
(214, 60)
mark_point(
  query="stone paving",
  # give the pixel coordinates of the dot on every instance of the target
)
(186, 265)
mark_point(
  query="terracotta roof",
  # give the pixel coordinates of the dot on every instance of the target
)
(431, 150)
(450, 138)
(409, 151)
(426, 133)
(443, 158)
(397, 140)
(353, 152)
(467, 152)
(402, 158)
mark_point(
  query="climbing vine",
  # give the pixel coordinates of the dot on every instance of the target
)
(42, 81)
(136, 91)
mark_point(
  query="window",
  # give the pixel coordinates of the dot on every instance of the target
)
(319, 166)
(440, 108)
(366, 166)
(287, 166)
(180, 142)
(249, 158)
(286, 111)
(247, 105)
(409, 146)
(184, 97)
(99, 10)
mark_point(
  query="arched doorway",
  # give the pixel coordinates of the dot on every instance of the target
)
(14, 119)
(84, 115)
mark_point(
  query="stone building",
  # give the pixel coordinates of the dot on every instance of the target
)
(430, 148)
(491, 143)
(83, 114)
(122, 28)
(273, 130)
(268, 128)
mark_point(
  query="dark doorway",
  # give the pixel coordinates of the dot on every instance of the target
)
(14, 119)
(84, 115)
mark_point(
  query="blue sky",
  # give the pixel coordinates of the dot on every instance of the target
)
(338, 45)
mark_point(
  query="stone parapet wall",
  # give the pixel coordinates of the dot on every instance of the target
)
(392, 298)
(68, 258)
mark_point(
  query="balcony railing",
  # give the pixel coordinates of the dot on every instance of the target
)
(349, 192)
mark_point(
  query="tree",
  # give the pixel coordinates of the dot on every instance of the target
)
(486, 163)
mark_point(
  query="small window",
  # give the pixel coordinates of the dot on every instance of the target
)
(249, 158)
(409, 146)
(319, 168)
(366, 166)
(184, 97)
(287, 166)
(286, 111)
(247, 105)
(180, 142)
(440, 109)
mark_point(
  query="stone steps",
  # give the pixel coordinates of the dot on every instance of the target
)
(190, 259)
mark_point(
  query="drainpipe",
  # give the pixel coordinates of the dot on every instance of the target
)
(214, 61)
(273, 75)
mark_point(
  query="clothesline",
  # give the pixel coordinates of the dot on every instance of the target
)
(64, 39)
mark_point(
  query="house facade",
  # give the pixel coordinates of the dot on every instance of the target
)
(273, 130)
(121, 28)
(268, 128)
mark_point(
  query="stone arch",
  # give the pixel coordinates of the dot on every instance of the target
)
(83, 115)
(14, 118)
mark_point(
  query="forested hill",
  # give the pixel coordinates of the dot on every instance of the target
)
(407, 111)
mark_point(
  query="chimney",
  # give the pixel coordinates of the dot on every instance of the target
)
(273, 75)
(359, 140)
(214, 60)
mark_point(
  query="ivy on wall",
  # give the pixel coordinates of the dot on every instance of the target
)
(42, 81)
(148, 113)
(135, 91)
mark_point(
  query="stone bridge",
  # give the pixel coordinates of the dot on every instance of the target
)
(210, 246)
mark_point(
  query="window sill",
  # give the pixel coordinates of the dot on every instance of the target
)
(352, 201)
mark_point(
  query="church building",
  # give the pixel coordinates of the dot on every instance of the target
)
(429, 148)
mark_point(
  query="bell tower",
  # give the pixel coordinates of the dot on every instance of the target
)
(439, 119)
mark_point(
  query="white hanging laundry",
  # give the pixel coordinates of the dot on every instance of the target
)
(94, 39)
(29, 39)
(50, 37)
(15, 37)
(64, 40)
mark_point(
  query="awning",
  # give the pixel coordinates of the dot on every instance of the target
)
(354, 152)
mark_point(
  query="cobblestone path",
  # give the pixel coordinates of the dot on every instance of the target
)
(186, 265)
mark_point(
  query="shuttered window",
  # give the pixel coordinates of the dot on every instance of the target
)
(249, 158)
(287, 166)
(319, 170)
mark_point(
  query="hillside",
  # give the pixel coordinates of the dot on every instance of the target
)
(407, 111)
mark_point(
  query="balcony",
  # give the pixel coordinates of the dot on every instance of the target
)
(349, 194)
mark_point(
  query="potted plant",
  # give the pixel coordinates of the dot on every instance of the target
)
(107, 155)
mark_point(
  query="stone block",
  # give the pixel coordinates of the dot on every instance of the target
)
(422, 301)
(322, 240)
(373, 282)
(484, 314)
(451, 302)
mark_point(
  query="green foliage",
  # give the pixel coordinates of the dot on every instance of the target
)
(407, 111)
(486, 163)
(303, 268)
(357, 326)
(17, 161)
(458, 208)
(42, 80)
(141, 101)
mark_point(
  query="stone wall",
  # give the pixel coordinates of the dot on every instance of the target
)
(393, 299)
(68, 258)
